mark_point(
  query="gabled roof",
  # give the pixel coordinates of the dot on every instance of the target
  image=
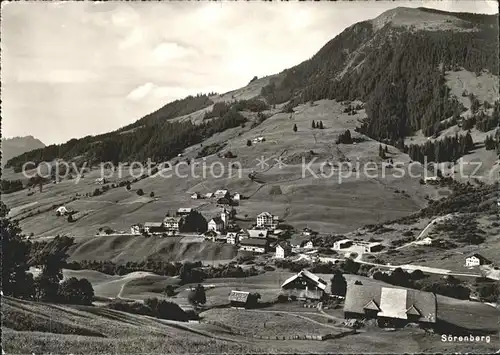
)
(342, 241)
(284, 244)
(153, 224)
(394, 302)
(256, 242)
(172, 219)
(481, 258)
(413, 311)
(264, 214)
(217, 220)
(221, 192)
(309, 275)
(372, 306)
(184, 210)
(238, 296)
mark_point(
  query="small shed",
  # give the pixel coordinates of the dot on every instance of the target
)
(239, 298)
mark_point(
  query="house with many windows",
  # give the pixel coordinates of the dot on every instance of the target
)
(476, 260)
(255, 245)
(304, 285)
(173, 224)
(267, 220)
(283, 250)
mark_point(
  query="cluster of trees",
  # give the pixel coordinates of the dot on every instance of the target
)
(318, 124)
(344, 138)
(382, 151)
(399, 78)
(465, 198)
(449, 286)
(19, 254)
(492, 143)
(10, 186)
(443, 150)
(463, 229)
(188, 272)
(152, 307)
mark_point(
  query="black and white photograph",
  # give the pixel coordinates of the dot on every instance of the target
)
(250, 177)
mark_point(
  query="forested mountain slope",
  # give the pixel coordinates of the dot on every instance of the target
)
(396, 64)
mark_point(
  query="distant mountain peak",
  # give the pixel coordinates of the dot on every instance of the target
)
(422, 19)
(12, 147)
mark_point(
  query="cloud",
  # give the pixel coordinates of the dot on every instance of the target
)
(117, 61)
(167, 51)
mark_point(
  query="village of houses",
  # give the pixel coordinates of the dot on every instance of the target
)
(267, 236)
(264, 237)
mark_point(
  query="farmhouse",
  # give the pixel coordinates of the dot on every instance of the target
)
(196, 196)
(62, 211)
(391, 306)
(242, 299)
(369, 247)
(238, 298)
(341, 244)
(257, 233)
(221, 194)
(307, 244)
(173, 224)
(425, 241)
(267, 220)
(216, 224)
(154, 227)
(209, 195)
(236, 197)
(255, 245)
(100, 181)
(476, 260)
(283, 249)
(233, 238)
(136, 229)
(304, 285)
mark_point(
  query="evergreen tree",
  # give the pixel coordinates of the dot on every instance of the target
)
(197, 296)
(381, 151)
(320, 124)
(338, 284)
(295, 128)
(16, 281)
(313, 125)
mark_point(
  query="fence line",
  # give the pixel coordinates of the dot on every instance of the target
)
(284, 337)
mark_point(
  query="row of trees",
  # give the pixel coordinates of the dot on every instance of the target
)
(19, 254)
(443, 150)
(188, 272)
(318, 124)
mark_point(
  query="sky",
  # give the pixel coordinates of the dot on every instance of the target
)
(78, 68)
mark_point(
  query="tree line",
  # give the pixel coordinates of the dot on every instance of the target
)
(19, 254)
(160, 141)
(443, 150)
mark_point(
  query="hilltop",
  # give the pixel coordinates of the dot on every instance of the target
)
(12, 147)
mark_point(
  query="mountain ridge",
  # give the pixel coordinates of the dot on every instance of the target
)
(398, 72)
(14, 146)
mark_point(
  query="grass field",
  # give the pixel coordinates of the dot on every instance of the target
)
(338, 207)
(115, 332)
